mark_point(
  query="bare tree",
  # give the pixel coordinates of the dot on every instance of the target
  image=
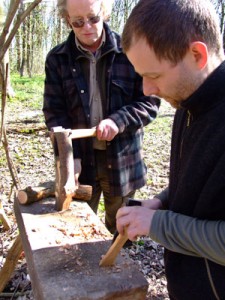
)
(120, 13)
(5, 41)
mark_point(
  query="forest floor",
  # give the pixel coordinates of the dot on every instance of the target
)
(31, 152)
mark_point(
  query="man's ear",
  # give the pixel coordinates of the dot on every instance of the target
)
(200, 54)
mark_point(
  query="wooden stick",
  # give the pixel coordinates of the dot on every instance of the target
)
(109, 258)
(81, 133)
(75, 133)
(3, 218)
(10, 263)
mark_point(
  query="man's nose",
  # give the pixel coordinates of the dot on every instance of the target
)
(149, 88)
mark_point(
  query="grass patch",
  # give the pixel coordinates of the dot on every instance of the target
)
(28, 91)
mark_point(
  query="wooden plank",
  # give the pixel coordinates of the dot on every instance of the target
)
(63, 251)
(10, 263)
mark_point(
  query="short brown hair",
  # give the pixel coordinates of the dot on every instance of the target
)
(169, 26)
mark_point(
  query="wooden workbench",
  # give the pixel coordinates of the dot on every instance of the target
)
(63, 250)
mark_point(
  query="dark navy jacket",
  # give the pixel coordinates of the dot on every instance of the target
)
(66, 104)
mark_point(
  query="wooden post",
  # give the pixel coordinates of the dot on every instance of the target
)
(10, 263)
(3, 218)
(64, 166)
(64, 162)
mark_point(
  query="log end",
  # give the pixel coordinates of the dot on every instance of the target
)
(22, 197)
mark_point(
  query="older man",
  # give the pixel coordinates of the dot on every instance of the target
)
(176, 46)
(90, 82)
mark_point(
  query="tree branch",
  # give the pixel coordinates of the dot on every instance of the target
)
(11, 13)
(12, 33)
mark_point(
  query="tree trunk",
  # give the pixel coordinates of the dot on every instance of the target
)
(28, 43)
(5, 60)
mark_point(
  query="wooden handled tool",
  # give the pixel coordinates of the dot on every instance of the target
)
(81, 133)
(75, 133)
(118, 240)
(109, 258)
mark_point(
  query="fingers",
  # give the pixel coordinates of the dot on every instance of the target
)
(122, 218)
(106, 130)
(124, 222)
(77, 170)
(137, 220)
(77, 183)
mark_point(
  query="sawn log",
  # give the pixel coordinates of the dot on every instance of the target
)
(33, 194)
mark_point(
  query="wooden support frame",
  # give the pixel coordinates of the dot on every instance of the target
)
(10, 263)
(64, 162)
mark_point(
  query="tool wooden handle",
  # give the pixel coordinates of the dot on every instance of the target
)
(80, 133)
(109, 258)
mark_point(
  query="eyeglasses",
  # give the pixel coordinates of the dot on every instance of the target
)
(79, 23)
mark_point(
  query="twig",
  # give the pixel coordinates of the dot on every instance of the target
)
(11, 166)
(4, 94)
(3, 218)
(17, 24)
(7, 295)
(15, 291)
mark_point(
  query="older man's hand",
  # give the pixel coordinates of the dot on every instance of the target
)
(106, 130)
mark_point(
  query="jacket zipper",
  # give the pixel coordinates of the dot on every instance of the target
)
(189, 118)
(211, 280)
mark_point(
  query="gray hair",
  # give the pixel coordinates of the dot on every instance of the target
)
(106, 6)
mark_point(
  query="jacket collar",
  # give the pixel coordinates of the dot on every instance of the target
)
(209, 94)
(112, 43)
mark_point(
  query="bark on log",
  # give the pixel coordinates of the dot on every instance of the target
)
(10, 263)
(33, 194)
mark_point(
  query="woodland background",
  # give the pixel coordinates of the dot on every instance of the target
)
(28, 30)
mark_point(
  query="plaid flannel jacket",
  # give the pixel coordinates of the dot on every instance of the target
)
(66, 104)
